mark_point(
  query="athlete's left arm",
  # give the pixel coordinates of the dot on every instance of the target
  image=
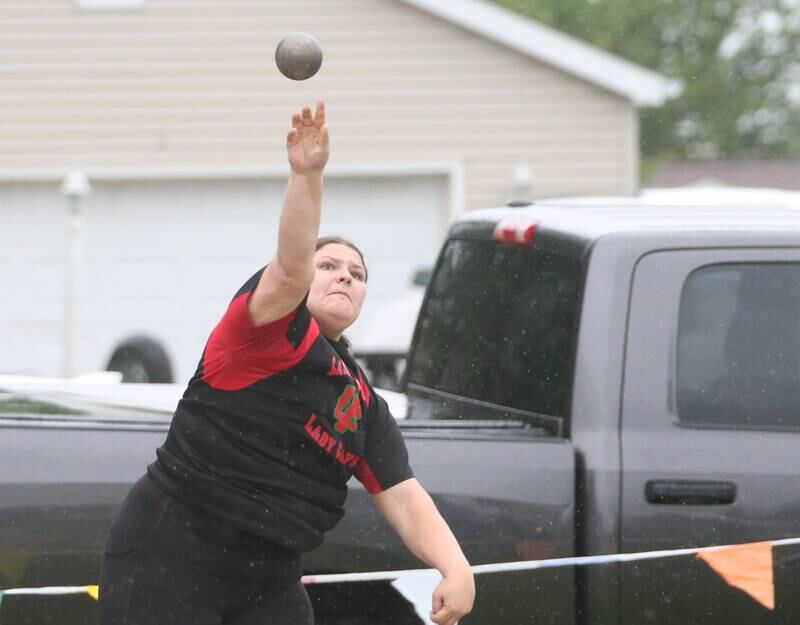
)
(411, 512)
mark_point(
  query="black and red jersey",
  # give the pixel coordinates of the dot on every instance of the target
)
(273, 424)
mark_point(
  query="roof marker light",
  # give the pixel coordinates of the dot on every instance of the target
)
(515, 229)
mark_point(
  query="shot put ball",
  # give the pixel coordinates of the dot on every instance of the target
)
(298, 56)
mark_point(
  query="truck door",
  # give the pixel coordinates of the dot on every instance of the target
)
(711, 430)
(62, 478)
(506, 495)
(490, 377)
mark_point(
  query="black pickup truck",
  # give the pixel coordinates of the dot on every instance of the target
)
(584, 379)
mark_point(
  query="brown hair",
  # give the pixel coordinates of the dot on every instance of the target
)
(323, 241)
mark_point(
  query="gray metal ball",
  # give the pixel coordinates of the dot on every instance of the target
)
(298, 56)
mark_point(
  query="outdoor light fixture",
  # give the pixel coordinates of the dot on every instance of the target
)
(74, 187)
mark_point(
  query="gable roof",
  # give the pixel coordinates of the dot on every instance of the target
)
(641, 86)
(781, 174)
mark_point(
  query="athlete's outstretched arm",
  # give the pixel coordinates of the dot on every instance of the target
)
(288, 276)
(411, 512)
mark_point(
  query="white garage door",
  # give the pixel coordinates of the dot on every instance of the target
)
(163, 258)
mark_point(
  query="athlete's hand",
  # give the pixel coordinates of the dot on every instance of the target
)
(453, 598)
(307, 143)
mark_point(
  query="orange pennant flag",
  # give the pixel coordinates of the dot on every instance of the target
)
(747, 567)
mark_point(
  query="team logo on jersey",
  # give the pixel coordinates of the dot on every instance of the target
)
(338, 368)
(348, 410)
(328, 443)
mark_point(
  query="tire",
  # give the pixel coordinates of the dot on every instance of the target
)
(141, 360)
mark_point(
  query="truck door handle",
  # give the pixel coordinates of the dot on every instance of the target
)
(689, 492)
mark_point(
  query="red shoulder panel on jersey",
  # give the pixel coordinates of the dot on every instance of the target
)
(239, 353)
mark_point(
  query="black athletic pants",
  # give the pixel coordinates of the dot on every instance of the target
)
(167, 564)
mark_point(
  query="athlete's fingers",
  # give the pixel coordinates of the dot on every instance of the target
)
(297, 121)
(437, 601)
(319, 119)
(445, 616)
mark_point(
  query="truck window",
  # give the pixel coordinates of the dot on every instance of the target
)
(738, 356)
(499, 325)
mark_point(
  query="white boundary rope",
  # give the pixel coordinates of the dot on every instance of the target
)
(50, 590)
(505, 567)
(501, 567)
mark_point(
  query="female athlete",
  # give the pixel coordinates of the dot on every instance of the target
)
(274, 422)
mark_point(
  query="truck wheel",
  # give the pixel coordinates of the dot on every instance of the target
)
(142, 360)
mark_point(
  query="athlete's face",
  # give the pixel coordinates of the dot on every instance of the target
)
(338, 289)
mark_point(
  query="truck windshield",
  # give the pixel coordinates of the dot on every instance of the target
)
(500, 325)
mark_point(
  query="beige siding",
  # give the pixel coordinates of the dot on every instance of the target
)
(192, 83)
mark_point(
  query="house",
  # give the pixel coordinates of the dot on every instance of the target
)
(175, 111)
